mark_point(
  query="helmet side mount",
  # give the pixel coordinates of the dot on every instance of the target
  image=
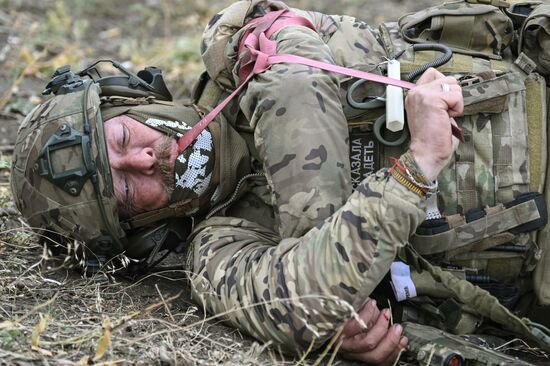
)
(72, 179)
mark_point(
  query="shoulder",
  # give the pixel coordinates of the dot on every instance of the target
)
(232, 18)
(223, 29)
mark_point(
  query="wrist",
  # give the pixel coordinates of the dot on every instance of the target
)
(427, 160)
(427, 166)
(409, 173)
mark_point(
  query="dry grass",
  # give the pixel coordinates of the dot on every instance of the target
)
(51, 313)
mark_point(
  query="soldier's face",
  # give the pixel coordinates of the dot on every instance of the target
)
(142, 165)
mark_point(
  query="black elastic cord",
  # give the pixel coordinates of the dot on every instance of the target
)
(442, 60)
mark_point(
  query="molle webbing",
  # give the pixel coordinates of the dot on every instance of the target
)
(518, 217)
(493, 164)
(459, 63)
(536, 118)
(504, 128)
(486, 169)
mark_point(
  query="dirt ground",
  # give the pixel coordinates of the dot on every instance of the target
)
(51, 315)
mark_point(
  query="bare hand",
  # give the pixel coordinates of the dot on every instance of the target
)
(430, 108)
(379, 343)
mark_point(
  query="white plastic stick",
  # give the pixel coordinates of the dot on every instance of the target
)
(395, 117)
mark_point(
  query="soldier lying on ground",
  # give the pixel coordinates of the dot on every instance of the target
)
(281, 244)
(137, 153)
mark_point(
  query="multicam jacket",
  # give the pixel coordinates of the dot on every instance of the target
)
(292, 257)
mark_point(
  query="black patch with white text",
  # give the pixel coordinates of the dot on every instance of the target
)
(364, 153)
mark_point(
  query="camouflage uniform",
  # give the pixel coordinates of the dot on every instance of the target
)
(290, 258)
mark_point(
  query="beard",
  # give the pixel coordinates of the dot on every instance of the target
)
(166, 167)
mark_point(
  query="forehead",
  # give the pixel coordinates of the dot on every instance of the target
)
(124, 119)
(139, 133)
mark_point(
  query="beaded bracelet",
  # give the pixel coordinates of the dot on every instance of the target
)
(398, 176)
(407, 172)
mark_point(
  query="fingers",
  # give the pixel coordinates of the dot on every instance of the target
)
(372, 358)
(446, 87)
(368, 314)
(368, 340)
(379, 345)
(428, 76)
(453, 97)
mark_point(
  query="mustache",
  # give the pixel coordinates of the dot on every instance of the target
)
(166, 167)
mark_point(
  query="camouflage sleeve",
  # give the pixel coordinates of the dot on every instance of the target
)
(297, 291)
(300, 133)
(296, 286)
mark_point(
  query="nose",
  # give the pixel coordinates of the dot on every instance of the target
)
(143, 161)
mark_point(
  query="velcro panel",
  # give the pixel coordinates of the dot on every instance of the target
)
(536, 119)
(510, 149)
(457, 31)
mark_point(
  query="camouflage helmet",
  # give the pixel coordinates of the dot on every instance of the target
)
(61, 180)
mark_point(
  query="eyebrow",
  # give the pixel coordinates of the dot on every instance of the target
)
(128, 206)
(122, 204)
(125, 135)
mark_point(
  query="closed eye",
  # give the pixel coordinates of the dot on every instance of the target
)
(126, 191)
(128, 207)
(125, 204)
(125, 135)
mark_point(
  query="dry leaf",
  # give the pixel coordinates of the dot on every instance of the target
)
(104, 340)
(42, 351)
(39, 329)
(6, 324)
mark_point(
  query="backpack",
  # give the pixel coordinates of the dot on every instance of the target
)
(488, 223)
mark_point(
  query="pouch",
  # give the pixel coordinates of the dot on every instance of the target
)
(472, 29)
(535, 38)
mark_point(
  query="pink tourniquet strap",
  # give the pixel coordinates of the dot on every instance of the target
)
(261, 53)
(341, 70)
(192, 134)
